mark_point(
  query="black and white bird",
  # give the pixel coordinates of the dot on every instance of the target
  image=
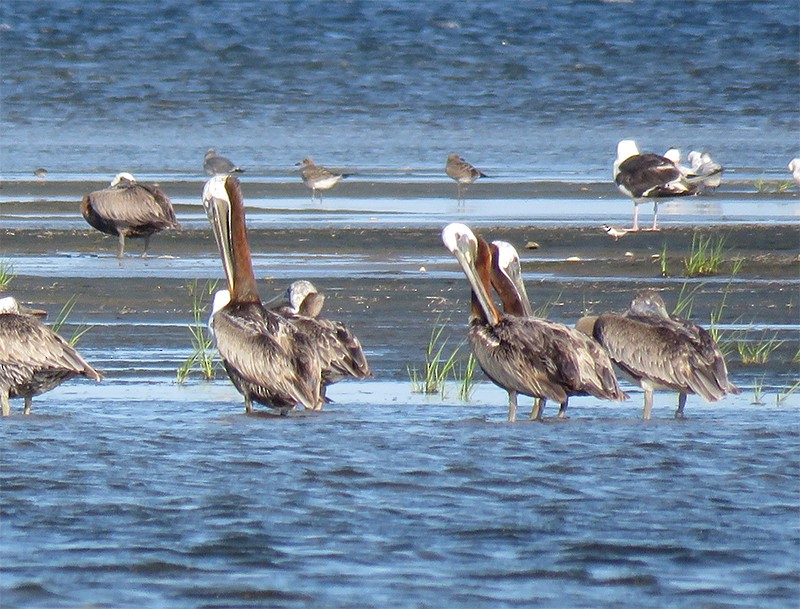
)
(616, 233)
(129, 210)
(648, 177)
(33, 358)
(462, 172)
(216, 165)
(656, 350)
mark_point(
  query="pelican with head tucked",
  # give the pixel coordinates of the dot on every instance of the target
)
(33, 358)
(534, 357)
(268, 359)
(129, 209)
(659, 351)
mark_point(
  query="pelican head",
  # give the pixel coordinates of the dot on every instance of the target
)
(509, 265)
(9, 304)
(217, 204)
(123, 178)
(463, 244)
(297, 293)
(648, 302)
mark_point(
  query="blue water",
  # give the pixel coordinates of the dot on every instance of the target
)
(533, 88)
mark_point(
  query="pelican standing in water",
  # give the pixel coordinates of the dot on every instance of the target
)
(339, 350)
(534, 357)
(507, 282)
(317, 177)
(33, 358)
(648, 176)
(659, 351)
(129, 209)
(216, 165)
(462, 172)
(267, 358)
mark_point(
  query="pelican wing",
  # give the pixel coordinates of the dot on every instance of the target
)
(268, 351)
(27, 344)
(338, 348)
(132, 205)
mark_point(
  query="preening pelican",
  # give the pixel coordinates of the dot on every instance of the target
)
(216, 165)
(129, 209)
(462, 172)
(507, 281)
(534, 357)
(317, 177)
(33, 358)
(648, 177)
(267, 358)
(659, 351)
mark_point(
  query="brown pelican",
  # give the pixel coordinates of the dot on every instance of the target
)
(659, 351)
(534, 357)
(33, 358)
(339, 350)
(267, 358)
(507, 281)
(648, 176)
(462, 172)
(317, 177)
(129, 209)
(216, 165)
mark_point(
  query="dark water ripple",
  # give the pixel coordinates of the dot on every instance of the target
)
(187, 505)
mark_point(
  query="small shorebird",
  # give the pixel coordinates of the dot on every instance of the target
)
(527, 355)
(617, 233)
(216, 165)
(267, 358)
(33, 358)
(40, 173)
(317, 177)
(129, 209)
(462, 172)
(659, 351)
(647, 176)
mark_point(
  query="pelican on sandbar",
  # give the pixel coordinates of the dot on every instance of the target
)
(462, 172)
(317, 177)
(648, 176)
(268, 359)
(129, 209)
(534, 357)
(657, 350)
(33, 358)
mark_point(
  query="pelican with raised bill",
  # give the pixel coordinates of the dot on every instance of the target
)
(648, 177)
(129, 209)
(268, 359)
(317, 177)
(462, 172)
(525, 355)
(33, 358)
(658, 351)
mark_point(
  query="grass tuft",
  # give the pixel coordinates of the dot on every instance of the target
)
(758, 352)
(6, 274)
(202, 357)
(705, 257)
(61, 320)
(437, 367)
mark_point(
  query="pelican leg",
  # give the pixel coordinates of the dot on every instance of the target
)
(512, 406)
(538, 409)
(121, 250)
(562, 412)
(655, 215)
(5, 405)
(681, 404)
(248, 405)
(648, 404)
(28, 401)
(146, 246)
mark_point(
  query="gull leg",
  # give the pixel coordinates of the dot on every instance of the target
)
(681, 404)
(512, 406)
(635, 217)
(655, 215)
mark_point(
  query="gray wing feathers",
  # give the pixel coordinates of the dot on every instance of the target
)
(133, 205)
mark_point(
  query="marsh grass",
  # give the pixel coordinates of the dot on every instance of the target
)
(763, 186)
(202, 357)
(437, 368)
(467, 374)
(758, 391)
(784, 394)
(62, 319)
(6, 274)
(758, 352)
(705, 256)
